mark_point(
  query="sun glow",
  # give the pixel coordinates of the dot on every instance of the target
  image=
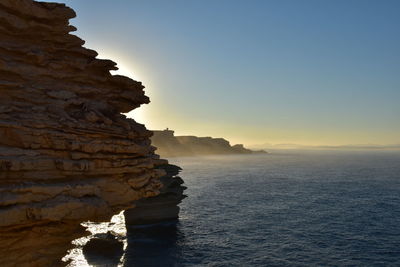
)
(138, 115)
(128, 70)
(125, 71)
(124, 68)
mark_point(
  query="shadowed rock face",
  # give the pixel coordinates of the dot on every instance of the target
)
(163, 207)
(67, 155)
(104, 249)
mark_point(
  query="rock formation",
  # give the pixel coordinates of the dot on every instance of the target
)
(104, 249)
(67, 154)
(169, 145)
(163, 207)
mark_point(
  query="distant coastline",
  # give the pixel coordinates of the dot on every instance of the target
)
(169, 145)
(326, 147)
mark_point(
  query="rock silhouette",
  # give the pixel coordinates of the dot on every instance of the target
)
(104, 249)
(169, 145)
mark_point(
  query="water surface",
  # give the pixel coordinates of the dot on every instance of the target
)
(292, 208)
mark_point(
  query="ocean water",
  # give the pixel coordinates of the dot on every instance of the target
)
(288, 208)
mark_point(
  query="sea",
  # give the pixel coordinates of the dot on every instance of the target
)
(285, 208)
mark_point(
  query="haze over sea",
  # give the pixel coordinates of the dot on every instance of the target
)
(289, 208)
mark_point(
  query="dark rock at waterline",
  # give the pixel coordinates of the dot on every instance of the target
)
(163, 207)
(104, 248)
(154, 245)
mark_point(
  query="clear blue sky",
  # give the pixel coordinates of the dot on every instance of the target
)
(257, 71)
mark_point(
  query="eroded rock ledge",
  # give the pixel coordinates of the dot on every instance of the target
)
(67, 155)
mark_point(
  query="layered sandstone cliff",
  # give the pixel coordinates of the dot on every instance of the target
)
(67, 154)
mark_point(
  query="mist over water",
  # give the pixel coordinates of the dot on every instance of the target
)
(292, 208)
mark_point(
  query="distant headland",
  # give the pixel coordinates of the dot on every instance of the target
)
(169, 145)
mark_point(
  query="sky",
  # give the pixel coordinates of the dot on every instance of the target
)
(310, 72)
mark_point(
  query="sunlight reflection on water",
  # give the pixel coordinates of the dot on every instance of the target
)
(116, 225)
(288, 209)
